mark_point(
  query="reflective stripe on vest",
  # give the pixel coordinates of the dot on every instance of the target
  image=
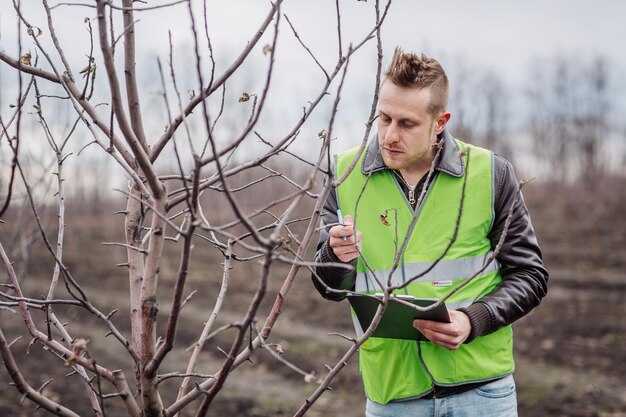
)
(392, 369)
(442, 274)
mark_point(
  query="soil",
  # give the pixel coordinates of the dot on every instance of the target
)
(569, 351)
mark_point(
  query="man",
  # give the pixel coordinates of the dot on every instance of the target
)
(465, 367)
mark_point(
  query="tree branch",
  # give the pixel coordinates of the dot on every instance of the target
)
(37, 72)
(210, 322)
(206, 92)
(132, 91)
(23, 387)
(135, 145)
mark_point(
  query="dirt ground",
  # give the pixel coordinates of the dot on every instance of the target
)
(569, 351)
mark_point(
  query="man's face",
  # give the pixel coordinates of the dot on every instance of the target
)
(406, 130)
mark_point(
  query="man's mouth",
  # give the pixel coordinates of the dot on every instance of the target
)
(392, 152)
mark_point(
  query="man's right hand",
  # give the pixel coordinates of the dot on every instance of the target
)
(343, 241)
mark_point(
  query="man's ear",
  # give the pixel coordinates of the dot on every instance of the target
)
(441, 122)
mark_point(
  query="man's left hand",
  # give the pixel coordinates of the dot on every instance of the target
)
(448, 335)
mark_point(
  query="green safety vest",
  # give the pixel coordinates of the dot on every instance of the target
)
(391, 368)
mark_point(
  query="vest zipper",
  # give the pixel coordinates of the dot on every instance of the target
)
(411, 188)
(412, 196)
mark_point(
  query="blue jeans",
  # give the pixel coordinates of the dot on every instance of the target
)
(495, 399)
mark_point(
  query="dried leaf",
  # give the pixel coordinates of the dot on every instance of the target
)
(285, 242)
(25, 59)
(80, 345)
(71, 359)
(244, 97)
(34, 31)
(88, 70)
(267, 49)
(78, 348)
(383, 218)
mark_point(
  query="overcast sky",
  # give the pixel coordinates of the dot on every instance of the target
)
(505, 36)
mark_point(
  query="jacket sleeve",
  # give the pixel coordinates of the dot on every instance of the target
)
(327, 278)
(524, 277)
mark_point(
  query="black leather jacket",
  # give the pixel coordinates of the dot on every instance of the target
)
(524, 278)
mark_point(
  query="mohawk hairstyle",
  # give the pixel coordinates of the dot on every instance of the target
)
(419, 71)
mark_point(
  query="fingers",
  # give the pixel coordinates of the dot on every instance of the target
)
(344, 229)
(438, 334)
(448, 335)
(343, 241)
(346, 250)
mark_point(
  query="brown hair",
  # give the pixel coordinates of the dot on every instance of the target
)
(419, 71)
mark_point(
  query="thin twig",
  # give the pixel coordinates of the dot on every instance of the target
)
(209, 323)
(295, 33)
(206, 92)
(124, 245)
(23, 387)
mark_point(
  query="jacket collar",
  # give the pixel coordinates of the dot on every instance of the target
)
(450, 162)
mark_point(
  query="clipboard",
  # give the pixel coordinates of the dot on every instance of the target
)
(397, 321)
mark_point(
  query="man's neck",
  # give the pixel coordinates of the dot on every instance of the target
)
(412, 175)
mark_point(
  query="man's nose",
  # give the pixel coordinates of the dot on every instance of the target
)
(392, 133)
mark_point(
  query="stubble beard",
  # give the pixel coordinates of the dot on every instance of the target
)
(426, 157)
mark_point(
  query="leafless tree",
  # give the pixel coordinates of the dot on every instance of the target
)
(497, 132)
(185, 205)
(160, 206)
(481, 108)
(569, 115)
(593, 122)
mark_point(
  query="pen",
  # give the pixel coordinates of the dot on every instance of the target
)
(340, 221)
